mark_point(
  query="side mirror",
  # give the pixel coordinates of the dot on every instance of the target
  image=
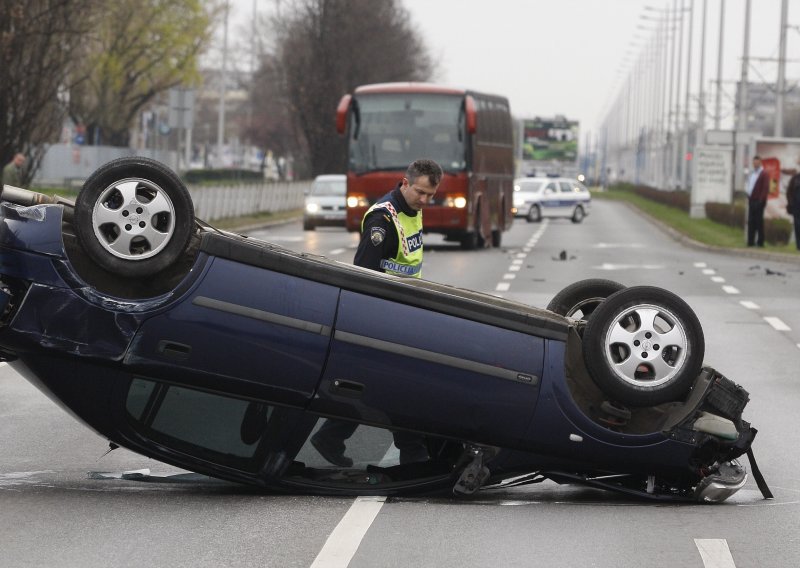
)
(341, 113)
(472, 114)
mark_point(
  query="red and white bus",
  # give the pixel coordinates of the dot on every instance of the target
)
(469, 134)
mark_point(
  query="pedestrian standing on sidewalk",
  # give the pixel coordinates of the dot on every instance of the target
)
(12, 172)
(757, 189)
(793, 204)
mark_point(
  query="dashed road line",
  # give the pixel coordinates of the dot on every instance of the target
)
(502, 287)
(708, 271)
(749, 305)
(731, 289)
(715, 552)
(345, 539)
(777, 323)
(334, 252)
(509, 276)
(717, 279)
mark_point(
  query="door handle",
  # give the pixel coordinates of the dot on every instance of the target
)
(176, 351)
(347, 388)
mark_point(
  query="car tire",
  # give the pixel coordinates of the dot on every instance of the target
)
(580, 299)
(308, 225)
(534, 214)
(134, 217)
(643, 346)
(578, 215)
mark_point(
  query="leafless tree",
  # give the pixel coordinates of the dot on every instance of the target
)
(38, 44)
(326, 48)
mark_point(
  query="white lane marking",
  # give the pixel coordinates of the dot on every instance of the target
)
(514, 268)
(336, 251)
(731, 289)
(526, 249)
(798, 345)
(521, 255)
(717, 279)
(749, 305)
(345, 539)
(509, 276)
(709, 271)
(618, 245)
(777, 323)
(700, 265)
(517, 261)
(502, 287)
(714, 552)
(610, 266)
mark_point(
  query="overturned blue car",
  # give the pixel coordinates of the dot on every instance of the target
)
(224, 355)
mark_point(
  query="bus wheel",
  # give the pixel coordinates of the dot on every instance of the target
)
(497, 238)
(469, 240)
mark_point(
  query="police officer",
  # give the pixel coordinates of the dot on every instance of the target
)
(391, 242)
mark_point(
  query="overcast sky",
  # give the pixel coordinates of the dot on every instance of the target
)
(567, 56)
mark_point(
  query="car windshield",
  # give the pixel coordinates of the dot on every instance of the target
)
(530, 186)
(389, 131)
(329, 187)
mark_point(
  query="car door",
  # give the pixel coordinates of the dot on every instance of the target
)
(242, 329)
(402, 366)
(568, 197)
(551, 203)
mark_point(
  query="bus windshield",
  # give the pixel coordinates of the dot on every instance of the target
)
(389, 131)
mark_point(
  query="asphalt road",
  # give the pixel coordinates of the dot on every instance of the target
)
(53, 513)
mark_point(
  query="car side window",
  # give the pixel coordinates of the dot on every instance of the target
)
(551, 188)
(566, 187)
(221, 428)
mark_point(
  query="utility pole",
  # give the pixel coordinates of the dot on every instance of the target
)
(222, 88)
(718, 104)
(701, 109)
(685, 170)
(741, 125)
(780, 99)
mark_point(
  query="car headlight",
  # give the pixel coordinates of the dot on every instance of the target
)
(312, 207)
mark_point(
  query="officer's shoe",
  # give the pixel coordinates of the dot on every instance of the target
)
(330, 451)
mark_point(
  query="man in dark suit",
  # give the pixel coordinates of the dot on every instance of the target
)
(757, 188)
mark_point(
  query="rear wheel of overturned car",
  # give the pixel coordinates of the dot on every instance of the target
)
(644, 346)
(134, 217)
(580, 299)
(534, 214)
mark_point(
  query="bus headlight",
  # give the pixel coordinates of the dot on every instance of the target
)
(459, 201)
(357, 201)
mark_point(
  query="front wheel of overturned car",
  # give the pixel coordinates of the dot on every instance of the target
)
(580, 299)
(644, 346)
(134, 217)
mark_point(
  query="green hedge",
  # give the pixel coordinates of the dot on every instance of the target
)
(776, 231)
(678, 199)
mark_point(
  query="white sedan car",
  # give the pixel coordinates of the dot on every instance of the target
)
(536, 197)
(326, 204)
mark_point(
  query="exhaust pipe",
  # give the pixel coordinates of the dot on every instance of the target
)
(27, 198)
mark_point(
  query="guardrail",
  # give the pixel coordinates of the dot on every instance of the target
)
(220, 202)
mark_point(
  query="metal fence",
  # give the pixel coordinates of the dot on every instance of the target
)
(219, 202)
(69, 166)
